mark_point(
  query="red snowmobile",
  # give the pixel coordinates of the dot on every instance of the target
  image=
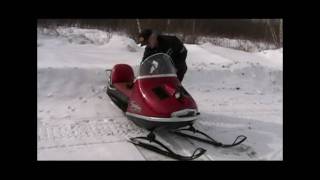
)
(156, 99)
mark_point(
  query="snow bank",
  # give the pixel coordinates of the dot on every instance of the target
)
(83, 36)
(240, 44)
(85, 48)
(275, 56)
(77, 35)
(237, 59)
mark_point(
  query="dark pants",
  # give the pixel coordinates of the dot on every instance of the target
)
(182, 66)
(180, 74)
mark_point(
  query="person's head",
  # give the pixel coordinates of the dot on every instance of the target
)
(148, 37)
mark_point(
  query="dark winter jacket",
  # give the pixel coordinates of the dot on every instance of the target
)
(172, 46)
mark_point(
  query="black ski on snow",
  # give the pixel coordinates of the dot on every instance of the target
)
(167, 152)
(209, 139)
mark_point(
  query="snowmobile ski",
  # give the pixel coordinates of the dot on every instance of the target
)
(209, 139)
(167, 152)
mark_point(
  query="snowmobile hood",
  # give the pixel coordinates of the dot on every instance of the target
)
(164, 96)
(161, 91)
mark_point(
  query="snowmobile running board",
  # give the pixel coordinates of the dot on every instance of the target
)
(167, 152)
(209, 139)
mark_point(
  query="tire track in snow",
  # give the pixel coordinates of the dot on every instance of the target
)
(70, 132)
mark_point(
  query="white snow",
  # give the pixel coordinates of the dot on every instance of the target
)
(237, 93)
(241, 44)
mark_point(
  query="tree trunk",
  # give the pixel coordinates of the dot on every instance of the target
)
(168, 23)
(280, 33)
(193, 26)
(273, 34)
(138, 25)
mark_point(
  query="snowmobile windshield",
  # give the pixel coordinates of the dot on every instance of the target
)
(157, 64)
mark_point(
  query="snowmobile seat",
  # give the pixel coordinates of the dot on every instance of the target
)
(122, 73)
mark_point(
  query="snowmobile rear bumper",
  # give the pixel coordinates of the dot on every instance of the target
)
(155, 122)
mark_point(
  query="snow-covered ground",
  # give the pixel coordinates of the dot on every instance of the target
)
(237, 93)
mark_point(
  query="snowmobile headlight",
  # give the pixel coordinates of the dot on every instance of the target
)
(177, 95)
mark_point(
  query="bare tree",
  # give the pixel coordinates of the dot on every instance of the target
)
(273, 34)
(193, 26)
(280, 33)
(168, 24)
(138, 25)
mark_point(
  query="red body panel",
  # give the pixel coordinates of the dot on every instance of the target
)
(142, 98)
(145, 102)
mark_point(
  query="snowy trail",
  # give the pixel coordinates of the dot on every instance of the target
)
(236, 92)
(76, 117)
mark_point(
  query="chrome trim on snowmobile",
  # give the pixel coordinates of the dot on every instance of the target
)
(109, 79)
(157, 119)
(184, 112)
(156, 76)
(112, 88)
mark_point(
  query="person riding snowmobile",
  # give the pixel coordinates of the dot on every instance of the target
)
(170, 45)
